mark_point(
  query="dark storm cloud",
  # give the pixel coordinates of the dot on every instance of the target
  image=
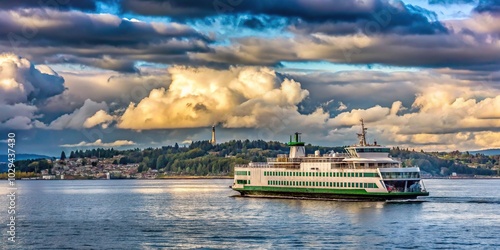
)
(491, 6)
(357, 89)
(306, 10)
(118, 58)
(430, 51)
(75, 28)
(444, 50)
(110, 42)
(407, 19)
(53, 4)
(46, 85)
(450, 2)
(253, 23)
(390, 18)
(489, 77)
(100, 40)
(127, 66)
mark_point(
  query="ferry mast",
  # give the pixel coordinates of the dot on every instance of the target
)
(362, 135)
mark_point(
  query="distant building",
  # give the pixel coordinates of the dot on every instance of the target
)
(48, 177)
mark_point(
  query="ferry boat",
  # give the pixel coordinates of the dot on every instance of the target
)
(364, 172)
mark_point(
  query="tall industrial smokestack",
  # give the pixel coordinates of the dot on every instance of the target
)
(213, 141)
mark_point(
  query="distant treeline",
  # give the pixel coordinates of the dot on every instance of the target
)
(203, 158)
(34, 165)
(446, 163)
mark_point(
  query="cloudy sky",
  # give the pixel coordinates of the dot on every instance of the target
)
(147, 73)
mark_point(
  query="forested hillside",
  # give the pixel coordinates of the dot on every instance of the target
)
(201, 157)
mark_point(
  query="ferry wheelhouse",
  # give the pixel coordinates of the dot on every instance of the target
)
(365, 171)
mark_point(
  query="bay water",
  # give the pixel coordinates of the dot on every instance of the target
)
(206, 214)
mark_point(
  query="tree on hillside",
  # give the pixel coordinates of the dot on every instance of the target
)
(63, 156)
(123, 161)
(160, 162)
(140, 168)
(34, 167)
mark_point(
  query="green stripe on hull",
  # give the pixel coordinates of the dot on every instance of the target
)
(325, 193)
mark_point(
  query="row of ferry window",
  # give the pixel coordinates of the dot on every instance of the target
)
(242, 172)
(243, 181)
(322, 184)
(320, 174)
(397, 175)
(373, 150)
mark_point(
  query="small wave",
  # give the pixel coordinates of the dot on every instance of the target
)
(485, 201)
(405, 201)
(152, 230)
(475, 200)
(250, 237)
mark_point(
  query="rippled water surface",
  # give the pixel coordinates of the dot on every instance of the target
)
(155, 214)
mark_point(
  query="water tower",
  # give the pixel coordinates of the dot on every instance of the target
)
(213, 141)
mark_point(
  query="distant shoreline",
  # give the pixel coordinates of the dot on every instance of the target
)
(231, 177)
(464, 178)
(161, 178)
(193, 177)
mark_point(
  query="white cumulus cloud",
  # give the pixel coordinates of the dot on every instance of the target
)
(86, 116)
(22, 86)
(99, 143)
(100, 117)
